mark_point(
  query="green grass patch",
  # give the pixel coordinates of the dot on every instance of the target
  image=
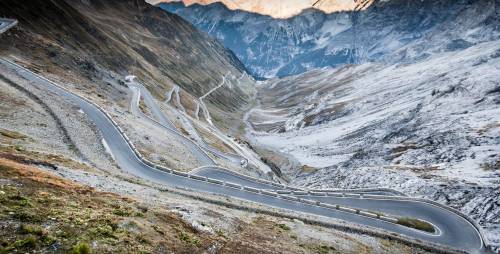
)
(103, 231)
(122, 212)
(416, 224)
(184, 237)
(20, 200)
(376, 212)
(220, 233)
(139, 214)
(31, 229)
(81, 248)
(323, 249)
(28, 242)
(27, 216)
(284, 227)
(187, 238)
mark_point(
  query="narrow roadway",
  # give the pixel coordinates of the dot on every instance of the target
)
(139, 90)
(453, 230)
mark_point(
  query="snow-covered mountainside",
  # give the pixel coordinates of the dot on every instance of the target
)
(388, 31)
(430, 128)
(404, 95)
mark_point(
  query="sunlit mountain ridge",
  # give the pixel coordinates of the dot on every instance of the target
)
(282, 9)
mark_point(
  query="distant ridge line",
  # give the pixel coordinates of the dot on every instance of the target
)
(319, 5)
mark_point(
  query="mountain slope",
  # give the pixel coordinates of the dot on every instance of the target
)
(276, 47)
(88, 47)
(429, 129)
(279, 8)
(100, 42)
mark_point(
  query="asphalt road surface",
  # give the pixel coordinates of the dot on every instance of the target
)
(139, 90)
(453, 230)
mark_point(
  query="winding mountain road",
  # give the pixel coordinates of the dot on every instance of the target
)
(164, 123)
(248, 155)
(452, 229)
(197, 149)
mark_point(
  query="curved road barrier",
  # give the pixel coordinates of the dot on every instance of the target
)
(6, 24)
(452, 229)
(228, 175)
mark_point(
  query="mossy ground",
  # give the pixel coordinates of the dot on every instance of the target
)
(11, 134)
(41, 212)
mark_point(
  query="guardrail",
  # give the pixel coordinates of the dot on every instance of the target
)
(278, 185)
(11, 23)
(402, 198)
(218, 182)
(264, 192)
(290, 188)
(362, 190)
(342, 208)
(296, 191)
(450, 209)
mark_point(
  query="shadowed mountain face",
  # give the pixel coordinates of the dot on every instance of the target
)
(104, 40)
(388, 31)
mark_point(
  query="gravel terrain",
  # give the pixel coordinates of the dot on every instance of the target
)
(429, 129)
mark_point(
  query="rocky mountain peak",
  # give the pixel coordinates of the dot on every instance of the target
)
(282, 9)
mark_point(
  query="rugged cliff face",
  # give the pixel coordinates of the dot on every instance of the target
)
(429, 129)
(425, 121)
(282, 9)
(97, 42)
(388, 31)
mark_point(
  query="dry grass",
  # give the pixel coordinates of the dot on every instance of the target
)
(19, 154)
(40, 211)
(488, 128)
(414, 168)
(7, 100)
(144, 108)
(267, 236)
(416, 224)
(309, 169)
(403, 148)
(45, 211)
(12, 134)
(35, 175)
(213, 140)
(491, 166)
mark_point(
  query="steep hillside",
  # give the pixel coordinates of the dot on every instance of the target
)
(96, 43)
(61, 191)
(429, 129)
(388, 31)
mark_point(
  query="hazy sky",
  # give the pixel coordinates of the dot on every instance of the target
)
(282, 8)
